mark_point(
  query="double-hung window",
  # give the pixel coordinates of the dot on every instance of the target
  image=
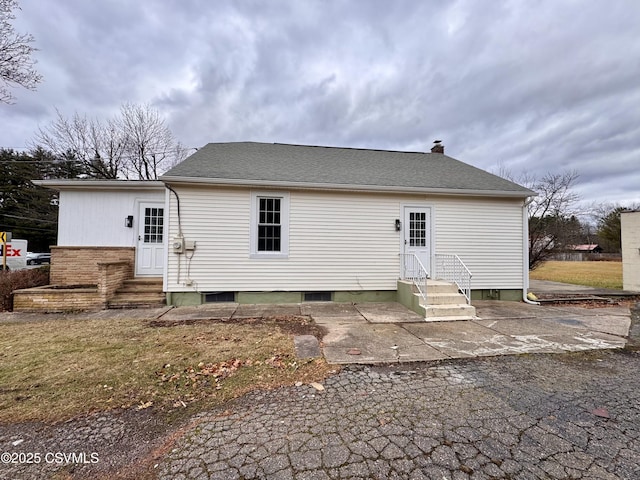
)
(269, 225)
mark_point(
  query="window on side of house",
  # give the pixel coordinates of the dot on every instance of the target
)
(269, 225)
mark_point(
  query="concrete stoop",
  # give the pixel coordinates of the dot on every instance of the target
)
(440, 313)
(139, 293)
(445, 303)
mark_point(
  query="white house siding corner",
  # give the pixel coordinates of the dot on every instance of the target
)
(338, 241)
(103, 221)
(630, 226)
(98, 218)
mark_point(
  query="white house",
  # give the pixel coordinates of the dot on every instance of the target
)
(256, 222)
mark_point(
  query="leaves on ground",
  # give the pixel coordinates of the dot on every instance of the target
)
(204, 379)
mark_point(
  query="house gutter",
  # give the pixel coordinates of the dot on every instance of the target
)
(525, 251)
(72, 184)
(341, 187)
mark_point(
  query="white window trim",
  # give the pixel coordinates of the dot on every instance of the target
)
(284, 225)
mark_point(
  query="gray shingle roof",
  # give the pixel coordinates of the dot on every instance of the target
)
(301, 165)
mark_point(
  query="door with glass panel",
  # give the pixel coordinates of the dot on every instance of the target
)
(151, 236)
(417, 234)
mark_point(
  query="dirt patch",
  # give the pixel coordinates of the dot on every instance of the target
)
(291, 324)
(587, 301)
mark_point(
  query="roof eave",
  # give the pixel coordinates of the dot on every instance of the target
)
(176, 180)
(71, 184)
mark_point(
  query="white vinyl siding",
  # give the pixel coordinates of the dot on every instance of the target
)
(97, 218)
(337, 241)
(487, 236)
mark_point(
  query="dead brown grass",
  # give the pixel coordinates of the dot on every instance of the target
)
(593, 274)
(57, 369)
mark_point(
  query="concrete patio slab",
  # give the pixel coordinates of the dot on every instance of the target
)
(578, 342)
(506, 328)
(265, 310)
(249, 311)
(277, 310)
(614, 320)
(380, 343)
(528, 326)
(201, 312)
(389, 312)
(490, 309)
(329, 309)
(347, 319)
(462, 339)
(611, 324)
(621, 310)
(419, 353)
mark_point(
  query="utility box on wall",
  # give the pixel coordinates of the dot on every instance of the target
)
(630, 227)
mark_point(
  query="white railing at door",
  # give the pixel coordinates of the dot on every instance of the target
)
(451, 269)
(412, 269)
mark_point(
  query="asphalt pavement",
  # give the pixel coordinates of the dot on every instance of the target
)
(483, 407)
(567, 416)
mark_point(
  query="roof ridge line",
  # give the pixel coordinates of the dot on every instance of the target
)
(346, 148)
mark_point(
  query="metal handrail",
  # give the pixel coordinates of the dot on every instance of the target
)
(453, 270)
(412, 269)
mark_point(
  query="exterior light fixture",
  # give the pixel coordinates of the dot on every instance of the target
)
(128, 221)
(398, 225)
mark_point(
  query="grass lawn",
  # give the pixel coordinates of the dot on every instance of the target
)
(593, 274)
(57, 369)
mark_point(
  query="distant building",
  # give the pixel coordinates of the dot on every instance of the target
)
(588, 248)
(630, 226)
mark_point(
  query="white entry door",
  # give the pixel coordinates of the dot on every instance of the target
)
(417, 234)
(151, 232)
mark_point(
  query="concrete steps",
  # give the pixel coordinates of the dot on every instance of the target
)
(444, 303)
(449, 312)
(139, 293)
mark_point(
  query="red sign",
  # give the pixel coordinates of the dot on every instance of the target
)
(11, 252)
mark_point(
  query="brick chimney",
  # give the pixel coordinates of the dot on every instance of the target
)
(437, 147)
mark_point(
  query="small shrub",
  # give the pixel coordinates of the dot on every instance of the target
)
(18, 279)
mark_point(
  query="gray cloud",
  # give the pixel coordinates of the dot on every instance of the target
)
(533, 86)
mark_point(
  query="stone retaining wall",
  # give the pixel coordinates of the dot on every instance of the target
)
(79, 265)
(82, 278)
(50, 299)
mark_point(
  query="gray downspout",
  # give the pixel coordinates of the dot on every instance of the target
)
(525, 250)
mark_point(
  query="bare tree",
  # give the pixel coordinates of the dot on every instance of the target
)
(552, 216)
(16, 62)
(95, 144)
(553, 222)
(150, 146)
(136, 144)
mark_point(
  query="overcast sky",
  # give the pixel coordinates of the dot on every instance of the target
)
(527, 86)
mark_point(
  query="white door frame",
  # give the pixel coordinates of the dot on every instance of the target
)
(151, 239)
(426, 253)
